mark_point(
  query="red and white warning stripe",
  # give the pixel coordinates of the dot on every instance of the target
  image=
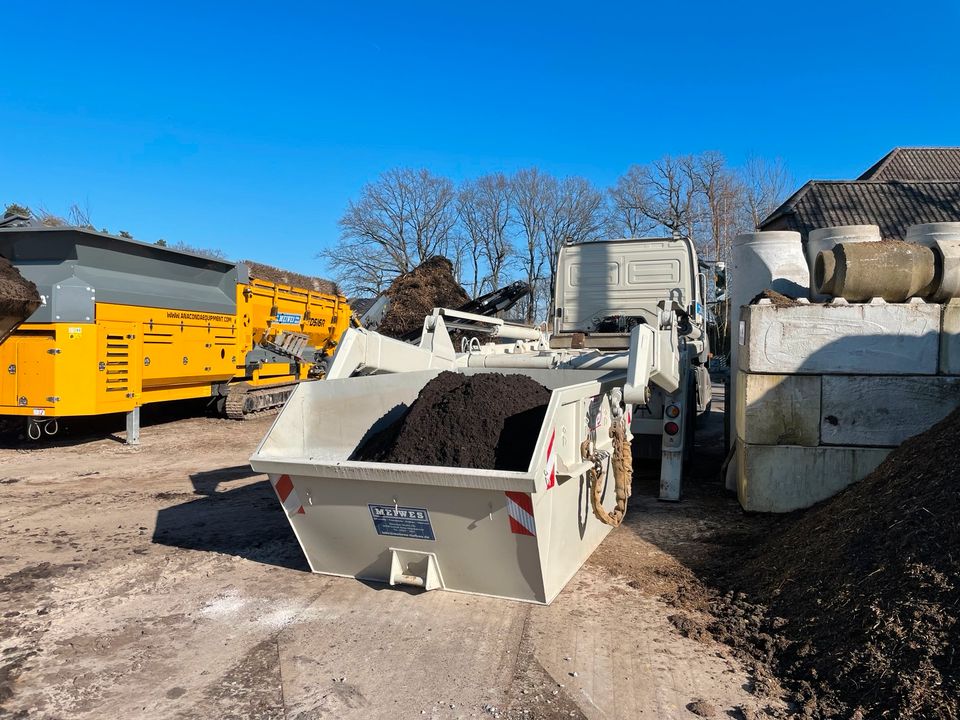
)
(520, 510)
(551, 467)
(283, 486)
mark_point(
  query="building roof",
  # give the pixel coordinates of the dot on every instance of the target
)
(894, 206)
(916, 163)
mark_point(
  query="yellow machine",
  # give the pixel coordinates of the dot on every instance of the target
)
(123, 324)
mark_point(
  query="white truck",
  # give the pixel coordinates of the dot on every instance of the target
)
(635, 305)
(645, 297)
(625, 354)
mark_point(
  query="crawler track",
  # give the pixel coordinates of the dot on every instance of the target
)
(244, 402)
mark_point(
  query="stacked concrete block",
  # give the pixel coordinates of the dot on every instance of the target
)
(825, 391)
(950, 339)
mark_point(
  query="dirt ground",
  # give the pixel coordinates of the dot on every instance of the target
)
(163, 581)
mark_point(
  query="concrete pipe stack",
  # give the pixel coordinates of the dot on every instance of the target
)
(825, 239)
(762, 260)
(944, 240)
(825, 391)
(927, 266)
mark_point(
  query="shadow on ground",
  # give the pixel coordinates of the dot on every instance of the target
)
(707, 526)
(79, 430)
(231, 517)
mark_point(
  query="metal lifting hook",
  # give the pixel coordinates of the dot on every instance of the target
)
(470, 345)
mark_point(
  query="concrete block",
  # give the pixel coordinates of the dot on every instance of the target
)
(864, 339)
(883, 411)
(950, 339)
(778, 409)
(783, 478)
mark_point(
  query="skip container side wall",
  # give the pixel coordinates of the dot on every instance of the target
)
(477, 548)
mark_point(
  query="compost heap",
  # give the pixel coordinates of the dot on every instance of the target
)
(488, 421)
(863, 591)
(18, 296)
(777, 298)
(415, 294)
(285, 277)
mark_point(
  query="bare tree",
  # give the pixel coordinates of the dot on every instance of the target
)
(721, 193)
(628, 199)
(45, 217)
(212, 253)
(698, 196)
(485, 211)
(474, 223)
(462, 252)
(664, 192)
(79, 216)
(530, 192)
(400, 220)
(765, 184)
(573, 213)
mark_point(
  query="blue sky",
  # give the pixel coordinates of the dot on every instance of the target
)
(248, 126)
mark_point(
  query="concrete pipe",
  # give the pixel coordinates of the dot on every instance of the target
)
(948, 270)
(944, 238)
(827, 238)
(929, 233)
(764, 260)
(891, 269)
(761, 260)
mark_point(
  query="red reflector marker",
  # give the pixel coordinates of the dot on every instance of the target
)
(671, 428)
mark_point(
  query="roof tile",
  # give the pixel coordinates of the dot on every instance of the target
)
(894, 206)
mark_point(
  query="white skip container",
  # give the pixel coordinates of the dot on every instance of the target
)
(517, 535)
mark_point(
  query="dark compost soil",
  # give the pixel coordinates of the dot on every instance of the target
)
(286, 277)
(18, 296)
(777, 298)
(854, 604)
(488, 421)
(415, 294)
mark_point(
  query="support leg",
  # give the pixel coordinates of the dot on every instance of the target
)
(676, 435)
(133, 427)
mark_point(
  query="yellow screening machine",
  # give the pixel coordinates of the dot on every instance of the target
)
(124, 323)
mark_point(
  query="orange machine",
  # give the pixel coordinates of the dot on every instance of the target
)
(124, 323)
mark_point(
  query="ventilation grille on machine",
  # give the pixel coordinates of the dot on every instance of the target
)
(157, 338)
(117, 364)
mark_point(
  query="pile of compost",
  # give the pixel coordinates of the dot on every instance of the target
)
(487, 421)
(862, 592)
(415, 294)
(777, 298)
(18, 296)
(286, 277)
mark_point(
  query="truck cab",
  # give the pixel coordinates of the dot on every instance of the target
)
(604, 289)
